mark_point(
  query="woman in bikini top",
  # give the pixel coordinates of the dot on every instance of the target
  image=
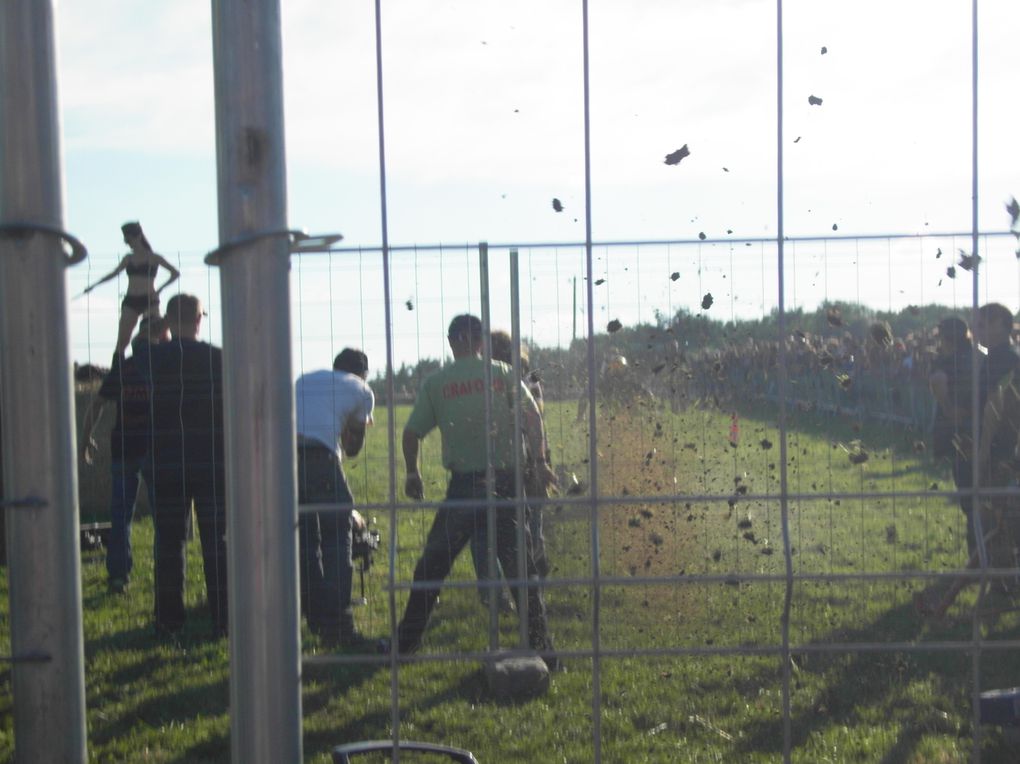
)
(142, 297)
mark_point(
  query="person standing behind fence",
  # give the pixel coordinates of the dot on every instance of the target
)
(333, 409)
(453, 399)
(535, 485)
(130, 456)
(141, 267)
(186, 385)
(993, 328)
(951, 383)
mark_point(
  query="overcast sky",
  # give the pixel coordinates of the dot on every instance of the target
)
(485, 126)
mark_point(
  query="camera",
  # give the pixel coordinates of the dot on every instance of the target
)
(364, 541)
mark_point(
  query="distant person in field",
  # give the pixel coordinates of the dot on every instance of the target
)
(333, 409)
(185, 378)
(142, 297)
(951, 383)
(126, 389)
(453, 399)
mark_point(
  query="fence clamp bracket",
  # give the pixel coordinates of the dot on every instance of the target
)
(32, 656)
(24, 229)
(300, 242)
(26, 502)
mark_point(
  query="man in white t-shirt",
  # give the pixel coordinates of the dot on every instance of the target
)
(333, 409)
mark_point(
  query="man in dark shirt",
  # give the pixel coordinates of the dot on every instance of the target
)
(998, 437)
(130, 457)
(186, 385)
(993, 329)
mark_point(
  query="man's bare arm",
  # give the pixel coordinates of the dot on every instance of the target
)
(534, 434)
(352, 437)
(93, 416)
(414, 488)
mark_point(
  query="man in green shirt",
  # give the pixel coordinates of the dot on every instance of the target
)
(453, 399)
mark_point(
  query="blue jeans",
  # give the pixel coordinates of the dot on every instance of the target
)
(124, 474)
(327, 571)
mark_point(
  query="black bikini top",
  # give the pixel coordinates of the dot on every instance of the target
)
(143, 270)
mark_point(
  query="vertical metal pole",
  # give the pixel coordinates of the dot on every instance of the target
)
(593, 451)
(265, 646)
(35, 381)
(784, 503)
(490, 472)
(515, 356)
(573, 333)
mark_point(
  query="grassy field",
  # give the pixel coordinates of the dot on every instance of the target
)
(686, 670)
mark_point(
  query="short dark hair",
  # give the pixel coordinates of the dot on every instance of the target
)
(954, 330)
(465, 327)
(182, 307)
(351, 360)
(148, 328)
(996, 313)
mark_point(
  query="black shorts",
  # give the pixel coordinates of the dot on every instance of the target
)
(140, 303)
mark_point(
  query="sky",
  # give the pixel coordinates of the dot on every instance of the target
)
(484, 127)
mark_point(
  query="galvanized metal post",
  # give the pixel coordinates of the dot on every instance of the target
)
(35, 383)
(265, 646)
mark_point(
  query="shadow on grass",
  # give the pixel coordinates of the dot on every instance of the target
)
(375, 723)
(850, 682)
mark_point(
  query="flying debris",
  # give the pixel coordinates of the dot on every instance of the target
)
(1013, 208)
(835, 227)
(824, 50)
(725, 169)
(951, 272)
(674, 275)
(614, 326)
(765, 444)
(677, 155)
(969, 262)
(814, 100)
(702, 236)
(600, 282)
(729, 230)
(706, 301)
(557, 205)
(797, 139)
(409, 304)
(938, 254)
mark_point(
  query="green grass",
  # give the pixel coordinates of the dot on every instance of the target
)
(166, 701)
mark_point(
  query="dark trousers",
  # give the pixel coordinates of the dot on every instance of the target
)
(327, 572)
(454, 525)
(124, 477)
(174, 494)
(963, 476)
